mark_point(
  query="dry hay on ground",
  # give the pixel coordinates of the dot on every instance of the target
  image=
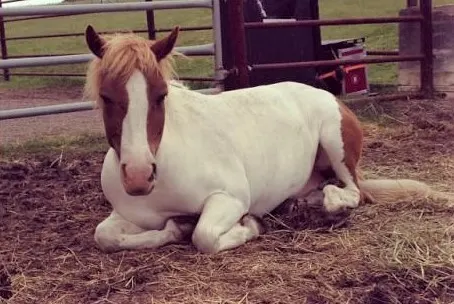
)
(384, 253)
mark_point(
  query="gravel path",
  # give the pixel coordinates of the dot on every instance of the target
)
(23, 129)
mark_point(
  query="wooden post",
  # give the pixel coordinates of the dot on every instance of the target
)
(4, 49)
(427, 76)
(236, 35)
(150, 24)
(411, 3)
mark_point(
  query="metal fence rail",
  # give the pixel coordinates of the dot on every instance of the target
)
(307, 64)
(187, 78)
(103, 8)
(64, 108)
(235, 32)
(237, 27)
(51, 11)
(45, 110)
(333, 22)
(196, 50)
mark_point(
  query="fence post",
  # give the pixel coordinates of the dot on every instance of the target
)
(3, 46)
(427, 77)
(236, 35)
(411, 3)
(150, 23)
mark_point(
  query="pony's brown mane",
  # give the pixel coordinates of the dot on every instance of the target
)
(123, 53)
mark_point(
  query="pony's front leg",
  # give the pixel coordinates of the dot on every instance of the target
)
(115, 234)
(224, 224)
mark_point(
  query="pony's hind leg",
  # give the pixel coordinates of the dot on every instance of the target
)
(115, 233)
(341, 142)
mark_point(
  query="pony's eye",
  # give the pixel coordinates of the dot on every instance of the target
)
(106, 99)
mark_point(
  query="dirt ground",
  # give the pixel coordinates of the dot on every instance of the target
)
(402, 252)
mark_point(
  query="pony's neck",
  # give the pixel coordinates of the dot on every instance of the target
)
(179, 106)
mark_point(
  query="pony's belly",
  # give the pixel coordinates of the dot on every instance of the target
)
(286, 181)
(272, 197)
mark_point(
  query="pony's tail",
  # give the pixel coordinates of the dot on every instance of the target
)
(393, 190)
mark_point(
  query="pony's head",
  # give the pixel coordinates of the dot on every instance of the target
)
(128, 79)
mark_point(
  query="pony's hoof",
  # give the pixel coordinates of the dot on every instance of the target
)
(338, 200)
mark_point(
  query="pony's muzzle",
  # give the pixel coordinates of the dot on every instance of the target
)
(138, 180)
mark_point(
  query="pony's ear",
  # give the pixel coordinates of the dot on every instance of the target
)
(161, 48)
(94, 41)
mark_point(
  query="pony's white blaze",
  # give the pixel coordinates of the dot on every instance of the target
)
(136, 157)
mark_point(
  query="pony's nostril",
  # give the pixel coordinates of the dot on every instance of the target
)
(153, 173)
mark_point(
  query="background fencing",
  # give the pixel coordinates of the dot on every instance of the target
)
(151, 31)
(237, 25)
(212, 49)
(231, 74)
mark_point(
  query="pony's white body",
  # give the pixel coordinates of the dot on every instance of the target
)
(258, 145)
(226, 157)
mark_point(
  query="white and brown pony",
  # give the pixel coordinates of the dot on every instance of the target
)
(228, 158)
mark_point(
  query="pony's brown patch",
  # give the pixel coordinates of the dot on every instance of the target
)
(155, 124)
(352, 137)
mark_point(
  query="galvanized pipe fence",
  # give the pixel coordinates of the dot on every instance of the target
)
(239, 68)
(211, 49)
(49, 13)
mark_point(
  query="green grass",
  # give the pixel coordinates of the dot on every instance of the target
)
(377, 37)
